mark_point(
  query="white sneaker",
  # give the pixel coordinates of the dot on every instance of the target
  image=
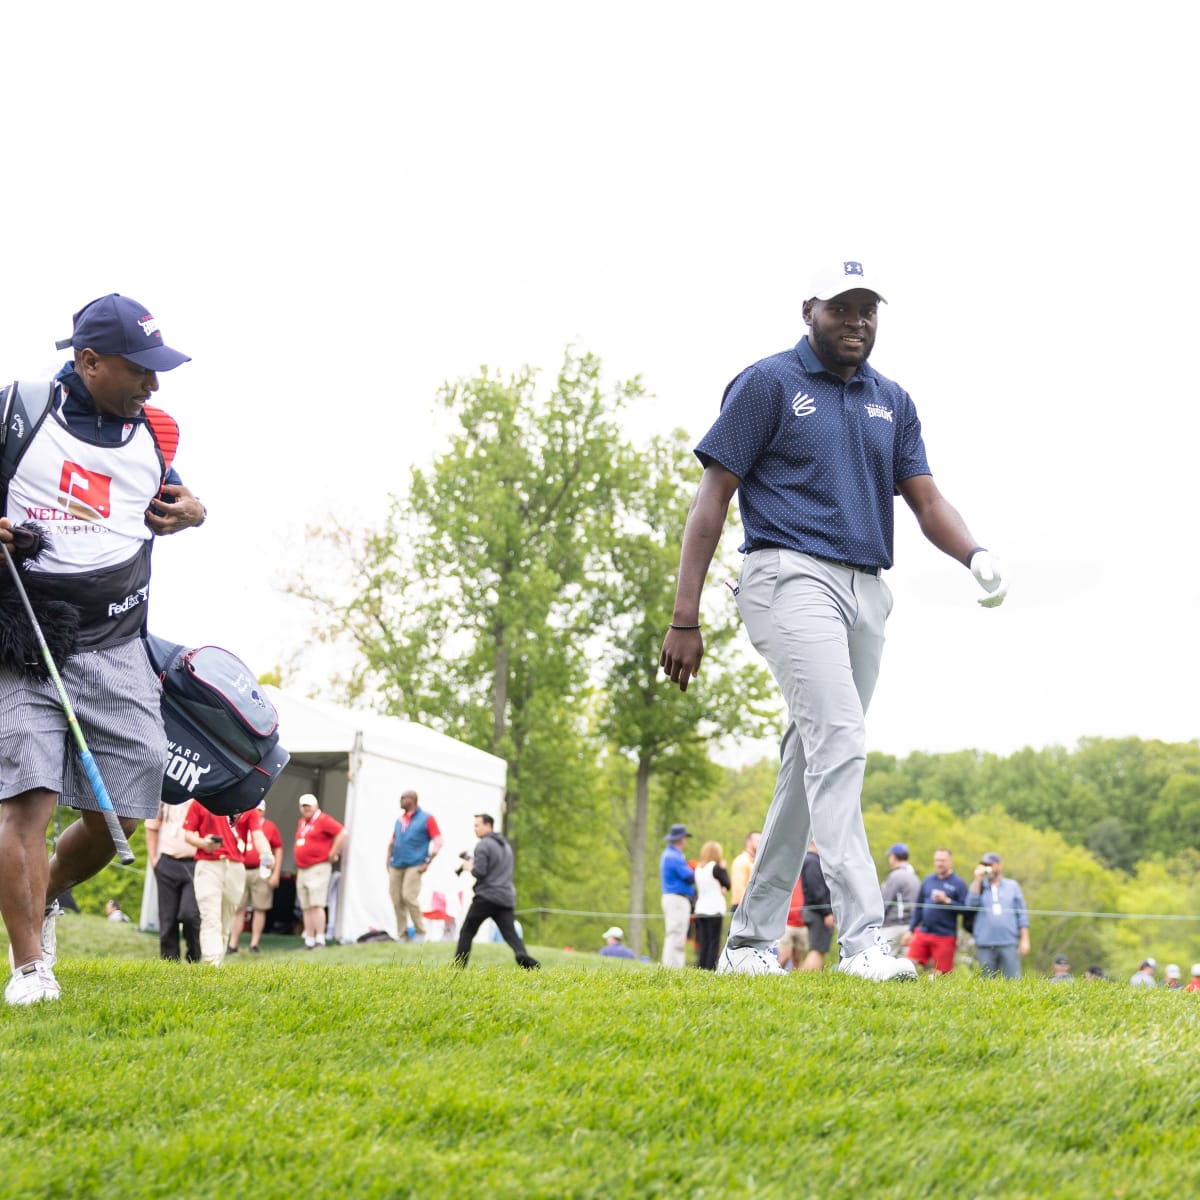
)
(749, 960)
(32, 983)
(49, 937)
(879, 964)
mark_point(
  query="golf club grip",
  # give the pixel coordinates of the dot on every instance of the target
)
(106, 807)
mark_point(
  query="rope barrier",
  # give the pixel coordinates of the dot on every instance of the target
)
(1033, 912)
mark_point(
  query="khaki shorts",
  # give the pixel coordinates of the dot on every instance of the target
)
(257, 893)
(795, 937)
(312, 885)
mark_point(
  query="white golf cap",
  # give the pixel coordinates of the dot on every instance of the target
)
(309, 798)
(834, 279)
(614, 931)
(1172, 971)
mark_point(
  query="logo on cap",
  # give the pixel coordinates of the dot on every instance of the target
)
(149, 325)
(852, 268)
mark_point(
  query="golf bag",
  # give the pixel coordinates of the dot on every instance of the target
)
(222, 730)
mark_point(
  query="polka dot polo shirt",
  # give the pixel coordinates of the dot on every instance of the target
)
(818, 458)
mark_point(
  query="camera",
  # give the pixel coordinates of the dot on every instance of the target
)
(464, 856)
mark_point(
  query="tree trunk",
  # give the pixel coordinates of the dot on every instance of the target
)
(637, 858)
(499, 705)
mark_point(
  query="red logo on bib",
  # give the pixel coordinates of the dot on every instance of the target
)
(84, 493)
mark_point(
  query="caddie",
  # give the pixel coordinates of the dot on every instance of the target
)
(94, 474)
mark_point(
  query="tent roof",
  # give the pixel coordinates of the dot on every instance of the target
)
(316, 727)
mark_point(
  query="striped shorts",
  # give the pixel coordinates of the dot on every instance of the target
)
(115, 695)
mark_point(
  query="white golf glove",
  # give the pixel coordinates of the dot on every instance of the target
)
(991, 578)
(265, 863)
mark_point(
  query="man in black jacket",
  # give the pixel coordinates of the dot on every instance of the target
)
(495, 896)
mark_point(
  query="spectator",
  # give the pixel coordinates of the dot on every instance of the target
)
(173, 861)
(415, 842)
(899, 891)
(712, 886)
(319, 841)
(1095, 974)
(1172, 977)
(1061, 970)
(933, 928)
(1001, 920)
(1144, 975)
(220, 877)
(794, 944)
(818, 910)
(258, 894)
(112, 910)
(1194, 982)
(740, 871)
(614, 944)
(495, 896)
(678, 888)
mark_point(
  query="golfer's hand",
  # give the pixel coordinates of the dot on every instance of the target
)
(175, 508)
(682, 651)
(6, 531)
(991, 578)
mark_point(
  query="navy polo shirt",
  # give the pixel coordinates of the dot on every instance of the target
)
(819, 458)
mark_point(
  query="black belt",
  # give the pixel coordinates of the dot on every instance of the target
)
(837, 562)
(833, 562)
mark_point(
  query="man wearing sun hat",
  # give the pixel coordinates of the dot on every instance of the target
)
(614, 944)
(816, 443)
(678, 891)
(1193, 984)
(318, 847)
(91, 465)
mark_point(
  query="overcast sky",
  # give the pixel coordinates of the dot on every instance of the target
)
(333, 210)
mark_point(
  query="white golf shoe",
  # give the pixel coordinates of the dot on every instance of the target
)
(879, 964)
(49, 937)
(31, 984)
(749, 960)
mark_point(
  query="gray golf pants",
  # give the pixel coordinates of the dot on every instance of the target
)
(819, 626)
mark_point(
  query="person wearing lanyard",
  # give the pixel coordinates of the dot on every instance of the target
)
(1002, 922)
(319, 840)
(220, 874)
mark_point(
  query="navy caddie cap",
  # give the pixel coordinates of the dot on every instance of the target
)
(114, 324)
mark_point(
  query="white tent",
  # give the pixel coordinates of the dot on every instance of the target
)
(357, 763)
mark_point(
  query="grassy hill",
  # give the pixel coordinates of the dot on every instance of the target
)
(379, 1071)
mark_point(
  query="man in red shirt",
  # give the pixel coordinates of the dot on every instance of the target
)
(220, 871)
(259, 890)
(1194, 982)
(319, 840)
(794, 944)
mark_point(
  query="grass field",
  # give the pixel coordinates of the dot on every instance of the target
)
(379, 1071)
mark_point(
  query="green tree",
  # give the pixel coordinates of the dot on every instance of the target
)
(471, 608)
(663, 732)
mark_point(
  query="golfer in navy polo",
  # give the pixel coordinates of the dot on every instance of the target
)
(816, 444)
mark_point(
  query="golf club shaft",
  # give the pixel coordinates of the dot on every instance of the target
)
(90, 769)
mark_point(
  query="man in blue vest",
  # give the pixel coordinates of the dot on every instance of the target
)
(415, 843)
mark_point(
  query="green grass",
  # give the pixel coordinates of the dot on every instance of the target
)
(379, 1071)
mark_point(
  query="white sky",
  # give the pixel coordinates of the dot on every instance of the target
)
(335, 208)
